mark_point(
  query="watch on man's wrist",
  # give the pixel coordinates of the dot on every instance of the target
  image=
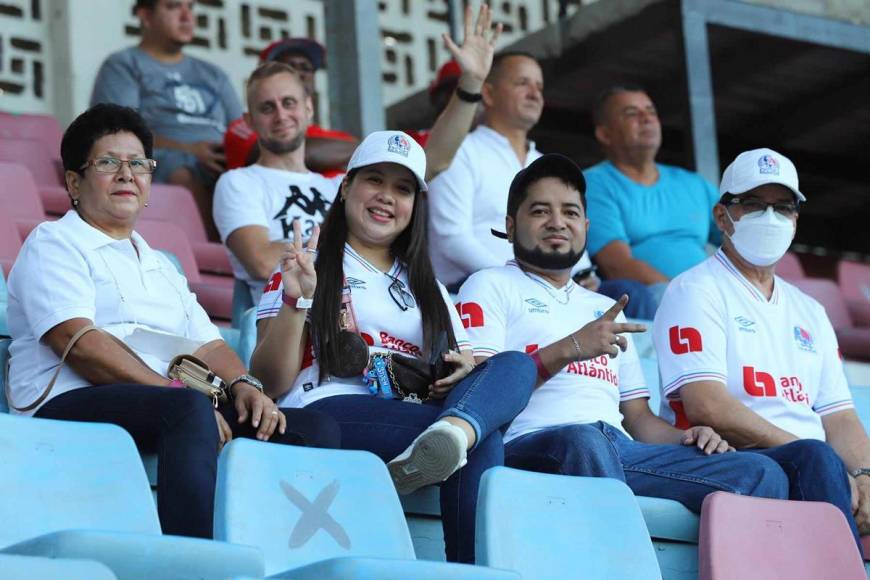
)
(247, 379)
(467, 96)
(860, 471)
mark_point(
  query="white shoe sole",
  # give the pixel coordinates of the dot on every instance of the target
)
(435, 456)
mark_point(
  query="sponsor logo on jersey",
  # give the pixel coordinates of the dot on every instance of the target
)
(745, 325)
(768, 165)
(356, 283)
(596, 368)
(537, 307)
(398, 144)
(761, 384)
(685, 340)
(470, 313)
(804, 339)
(391, 342)
(273, 284)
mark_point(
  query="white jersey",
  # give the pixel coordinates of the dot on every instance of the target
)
(380, 321)
(779, 357)
(271, 198)
(506, 308)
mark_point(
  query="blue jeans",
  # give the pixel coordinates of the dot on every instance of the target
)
(678, 472)
(488, 398)
(642, 304)
(815, 473)
(179, 425)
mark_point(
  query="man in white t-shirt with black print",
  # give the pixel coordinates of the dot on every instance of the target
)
(254, 206)
(591, 400)
(754, 357)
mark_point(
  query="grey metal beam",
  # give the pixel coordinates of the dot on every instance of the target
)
(699, 82)
(353, 39)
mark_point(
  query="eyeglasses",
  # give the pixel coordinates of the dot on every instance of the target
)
(113, 165)
(752, 205)
(400, 295)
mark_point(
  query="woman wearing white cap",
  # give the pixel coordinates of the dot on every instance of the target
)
(376, 311)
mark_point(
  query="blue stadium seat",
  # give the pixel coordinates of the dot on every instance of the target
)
(861, 398)
(247, 336)
(78, 491)
(320, 513)
(241, 301)
(31, 568)
(650, 368)
(556, 526)
(4, 357)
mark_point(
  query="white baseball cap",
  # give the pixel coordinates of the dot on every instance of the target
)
(391, 147)
(759, 167)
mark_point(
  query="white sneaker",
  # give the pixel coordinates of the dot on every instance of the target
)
(432, 457)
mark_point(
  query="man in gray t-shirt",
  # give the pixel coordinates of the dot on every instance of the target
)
(186, 102)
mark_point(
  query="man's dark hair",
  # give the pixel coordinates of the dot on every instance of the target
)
(99, 121)
(599, 108)
(499, 59)
(550, 165)
(149, 4)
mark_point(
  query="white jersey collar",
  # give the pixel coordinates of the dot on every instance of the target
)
(756, 294)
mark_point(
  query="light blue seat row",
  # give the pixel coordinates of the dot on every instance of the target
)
(320, 513)
(4, 300)
(4, 357)
(31, 568)
(78, 491)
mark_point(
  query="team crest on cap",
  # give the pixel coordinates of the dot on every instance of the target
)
(398, 144)
(804, 339)
(768, 165)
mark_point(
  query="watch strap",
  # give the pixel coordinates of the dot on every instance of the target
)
(468, 97)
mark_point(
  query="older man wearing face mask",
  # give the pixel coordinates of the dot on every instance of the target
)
(747, 353)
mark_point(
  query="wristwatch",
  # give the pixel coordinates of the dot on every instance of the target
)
(300, 303)
(860, 471)
(248, 379)
(468, 97)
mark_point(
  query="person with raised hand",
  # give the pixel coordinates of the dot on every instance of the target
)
(589, 414)
(357, 304)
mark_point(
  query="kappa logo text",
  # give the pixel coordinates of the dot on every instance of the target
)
(470, 313)
(684, 340)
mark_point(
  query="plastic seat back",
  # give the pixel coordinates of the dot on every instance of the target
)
(854, 280)
(759, 538)
(169, 237)
(64, 475)
(790, 268)
(300, 505)
(44, 128)
(34, 155)
(828, 294)
(175, 204)
(19, 195)
(556, 526)
(10, 244)
(4, 358)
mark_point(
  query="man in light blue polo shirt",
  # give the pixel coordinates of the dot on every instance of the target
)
(649, 221)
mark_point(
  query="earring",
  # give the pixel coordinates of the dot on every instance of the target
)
(146, 204)
(75, 202)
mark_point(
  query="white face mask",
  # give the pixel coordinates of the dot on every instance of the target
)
(762, 238)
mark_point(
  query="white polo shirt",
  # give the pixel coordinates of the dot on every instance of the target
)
(506, 308)
(382, 324)
(468, 200)
(68, 269)
(779, 357)
(271, 198)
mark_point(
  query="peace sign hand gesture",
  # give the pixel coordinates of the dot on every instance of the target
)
(478, 46)
(297, 264)
(603, 335)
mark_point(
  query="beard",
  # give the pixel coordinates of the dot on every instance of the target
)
(547, 260)
(277, 147)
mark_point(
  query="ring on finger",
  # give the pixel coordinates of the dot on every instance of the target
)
(310, 251)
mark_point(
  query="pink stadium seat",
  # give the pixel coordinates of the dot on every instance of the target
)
(175, 204)
(46, 170)
(215, 293)
(45, 128)
(10, 243)
(19, 197)
(766, 539)
(854, 341)
(854, 280)
(789, 267)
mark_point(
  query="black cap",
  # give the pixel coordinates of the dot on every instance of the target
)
(549, 165)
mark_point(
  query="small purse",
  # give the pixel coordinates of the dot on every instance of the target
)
(196, 375)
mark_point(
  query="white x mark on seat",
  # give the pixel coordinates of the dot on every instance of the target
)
(315, 516)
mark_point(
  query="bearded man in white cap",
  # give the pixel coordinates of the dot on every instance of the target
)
(750, 355)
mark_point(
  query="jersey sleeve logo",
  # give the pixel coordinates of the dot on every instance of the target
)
(274, 283)
(758, 383)
(470, 313)
(685, 340)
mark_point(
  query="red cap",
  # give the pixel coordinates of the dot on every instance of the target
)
(449, 71)
(311, 49)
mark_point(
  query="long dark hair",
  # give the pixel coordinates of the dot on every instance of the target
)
(411, 248)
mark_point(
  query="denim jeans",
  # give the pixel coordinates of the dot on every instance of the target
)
(179, 425)
(488, 398)
(815, 473)
(678, 472)
(641, 305)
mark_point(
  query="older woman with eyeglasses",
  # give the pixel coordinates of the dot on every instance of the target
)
(90, 268)
(374, 299)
